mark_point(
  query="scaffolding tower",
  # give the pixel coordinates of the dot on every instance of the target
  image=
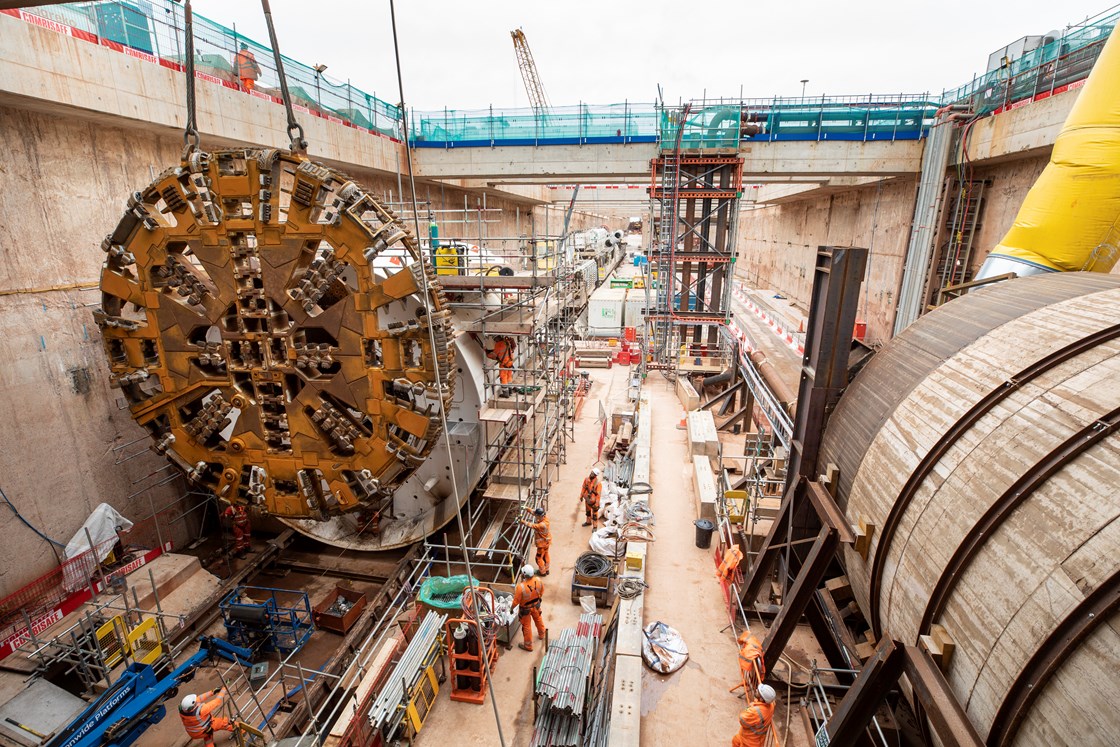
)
(696, 184)
(527, 420)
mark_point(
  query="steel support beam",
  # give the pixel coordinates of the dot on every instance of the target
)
(879, 675)
(824, 374)
(723, 395)
(800, 595)
(828, 339)
(945, 713)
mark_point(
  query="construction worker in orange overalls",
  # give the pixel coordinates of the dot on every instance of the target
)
(197, 713)
(543, 538)
(750, 661)
(242, 527)
(502, 352)
(247, 68)
(755, 721)
(527, 598)
(589, 497)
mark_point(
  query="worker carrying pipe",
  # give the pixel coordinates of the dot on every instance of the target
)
(238, 514)
(247, 68)
(589, 496)
(502, 352)
(756, 721)
(198, 715)
(527, 597)
(752, 666)
(542, 538)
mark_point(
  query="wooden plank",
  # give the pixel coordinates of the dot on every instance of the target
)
(704, 481)
(626, 703)
(499, 491)
(703, 439)
(493, 529)
(687, 393)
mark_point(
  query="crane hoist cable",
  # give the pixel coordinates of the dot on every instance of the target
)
(295, 131)
(190, 130)
(439, 377)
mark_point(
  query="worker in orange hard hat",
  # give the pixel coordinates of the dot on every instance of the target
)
(197, 713)
(756, 720)
(502, 352)
(751, 663)
(542, 538)
(589, 496)
(238, 513)
(527, 598)
(247, 68)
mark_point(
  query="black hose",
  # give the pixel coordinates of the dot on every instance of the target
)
(594, 565)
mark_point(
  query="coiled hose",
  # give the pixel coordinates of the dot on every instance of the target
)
(594, 565)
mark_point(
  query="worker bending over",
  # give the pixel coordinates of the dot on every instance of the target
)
(502, 352)
(589, 497)
(247, 68)
(756, 721)
(527, 598)
(750, 661)
(542, 538)
(238, 513)
(197, 713)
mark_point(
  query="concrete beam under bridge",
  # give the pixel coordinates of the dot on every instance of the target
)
(620, 162)
(56, 73)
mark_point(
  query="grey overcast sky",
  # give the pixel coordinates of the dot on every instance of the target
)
(459, 54)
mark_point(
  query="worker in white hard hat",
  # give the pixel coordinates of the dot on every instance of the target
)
(589, 496)
(756, 721)
(527, 598)
(198, 715)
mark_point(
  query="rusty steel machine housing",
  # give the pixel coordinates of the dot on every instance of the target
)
(281, 336)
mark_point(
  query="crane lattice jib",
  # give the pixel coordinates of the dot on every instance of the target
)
(537, 97)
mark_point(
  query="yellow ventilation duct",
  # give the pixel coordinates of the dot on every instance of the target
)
(1069, 219)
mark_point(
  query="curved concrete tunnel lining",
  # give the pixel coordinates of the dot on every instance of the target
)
(981, 367)
(981, 676)
(902, 437)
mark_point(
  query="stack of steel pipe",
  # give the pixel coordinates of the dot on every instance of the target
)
(407, 671)
(562, 684)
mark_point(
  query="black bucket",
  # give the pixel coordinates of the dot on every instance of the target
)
(704, 529)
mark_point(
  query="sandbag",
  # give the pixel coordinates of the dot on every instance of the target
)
(663, 649)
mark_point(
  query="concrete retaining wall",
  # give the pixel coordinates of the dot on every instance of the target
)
(64, 184)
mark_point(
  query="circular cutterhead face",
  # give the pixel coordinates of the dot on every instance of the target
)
(277, 331)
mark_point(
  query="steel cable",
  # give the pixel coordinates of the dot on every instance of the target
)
(629, 587)
(298, 144)
(427, 297)
(190, 131)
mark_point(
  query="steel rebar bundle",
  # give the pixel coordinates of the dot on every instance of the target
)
(562, 683)
(406, 671)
